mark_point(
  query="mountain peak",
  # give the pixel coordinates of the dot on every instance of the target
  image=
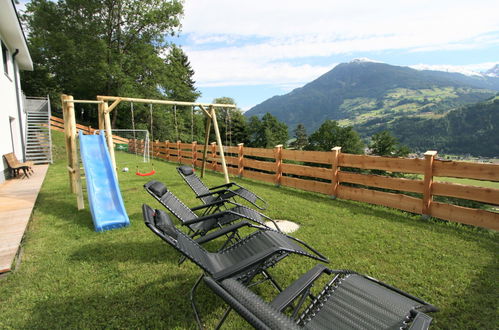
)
(363, 60)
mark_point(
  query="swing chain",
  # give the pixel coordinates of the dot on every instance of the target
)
(133, 129)
(176, 123)
(192, 124)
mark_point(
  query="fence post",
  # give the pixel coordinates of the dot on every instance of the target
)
(335, 171)
(194, 153)
(240, 159)
(428, 182)
(167, 156)
(214, 156)
(67, 139)
(278, 164)
(179, 155)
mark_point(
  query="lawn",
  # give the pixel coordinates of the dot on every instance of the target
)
(73, 277)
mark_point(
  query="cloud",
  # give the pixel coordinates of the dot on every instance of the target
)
(469, 69)
(235, 42)
(233, 73)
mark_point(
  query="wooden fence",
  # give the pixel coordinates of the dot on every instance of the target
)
(295, 168)
(57, 124)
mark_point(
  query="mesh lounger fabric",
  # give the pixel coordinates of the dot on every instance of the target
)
(358, 303)
(243, 257)
(184, 213)
(355, 302)
(201, 189)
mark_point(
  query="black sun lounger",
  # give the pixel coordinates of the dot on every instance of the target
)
(348, 301)
(223, 192)
(243, 260)
(200, 225)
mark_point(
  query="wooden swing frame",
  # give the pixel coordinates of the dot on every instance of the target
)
(104, 109)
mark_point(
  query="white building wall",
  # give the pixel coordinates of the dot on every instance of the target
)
(10, 130)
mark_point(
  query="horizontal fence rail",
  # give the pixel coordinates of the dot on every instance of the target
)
(321, 171)
(344, 176)
(57, 124)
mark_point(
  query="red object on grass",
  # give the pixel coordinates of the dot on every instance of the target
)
(145, 174)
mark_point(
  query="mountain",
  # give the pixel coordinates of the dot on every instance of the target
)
(370, 95)
(493, 72)
(471, 129)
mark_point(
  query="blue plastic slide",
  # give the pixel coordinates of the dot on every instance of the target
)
(104, 197)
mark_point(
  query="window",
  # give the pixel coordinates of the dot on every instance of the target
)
(5, 58)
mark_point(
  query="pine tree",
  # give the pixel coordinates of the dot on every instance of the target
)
(267, 132)
(301, 137)
(179, 84)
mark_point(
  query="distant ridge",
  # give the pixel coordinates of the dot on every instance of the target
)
(364, 91)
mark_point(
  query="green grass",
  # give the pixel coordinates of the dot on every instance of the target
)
(470, 182)
(73, 277)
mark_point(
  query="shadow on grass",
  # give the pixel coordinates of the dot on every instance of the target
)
(162, 303)
(475, 308)
(49, 204)
(114, 252)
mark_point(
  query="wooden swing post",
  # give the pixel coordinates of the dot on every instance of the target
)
(206, 142)
(219, 142)
(71, 148)
(109, 135)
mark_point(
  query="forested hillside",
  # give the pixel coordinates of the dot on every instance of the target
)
(367, 92)
(472, 129)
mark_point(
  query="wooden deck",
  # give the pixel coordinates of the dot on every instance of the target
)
(17, 198)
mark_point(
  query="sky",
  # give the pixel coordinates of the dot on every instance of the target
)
(253, 50)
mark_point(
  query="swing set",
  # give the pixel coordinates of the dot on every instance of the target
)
(104, 110)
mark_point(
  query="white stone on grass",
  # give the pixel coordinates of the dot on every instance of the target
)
(285, 226)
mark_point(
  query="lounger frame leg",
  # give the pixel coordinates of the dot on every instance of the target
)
(272, 281)
(222, 320)
(192, 297)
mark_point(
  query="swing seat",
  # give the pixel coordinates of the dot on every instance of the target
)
(145, 174)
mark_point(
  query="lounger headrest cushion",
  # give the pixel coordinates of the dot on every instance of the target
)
(165, 224)
(158, 188)
(186, 170)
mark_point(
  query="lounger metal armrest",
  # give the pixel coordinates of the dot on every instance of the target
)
(225, 185)
(200, 219)
(246, 217)
(320, 256)
(297, 288)
(211, 216)
(200, 207)
(420, 322)
(211, 193)
(221, 232)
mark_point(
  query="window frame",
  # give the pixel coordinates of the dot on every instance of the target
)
(5, 58)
